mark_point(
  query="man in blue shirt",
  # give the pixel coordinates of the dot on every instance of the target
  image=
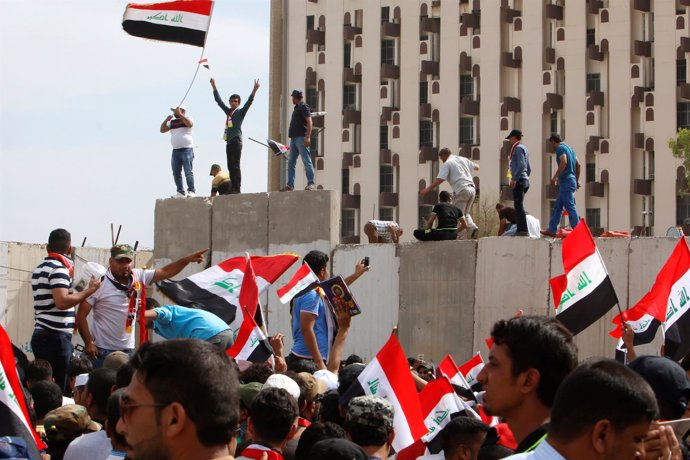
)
(568, 176)
(178, 322)
(519, 179)
(312, 320)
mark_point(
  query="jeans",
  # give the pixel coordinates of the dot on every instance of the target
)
(521, 187)
(297, 147)
(101, 354)
(233, 153)
(182, 159)
(56, 348)
(565, 199)
(222, 340)
(435, 235)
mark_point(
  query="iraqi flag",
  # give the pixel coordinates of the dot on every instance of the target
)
(251, 344)
(449, 369)
(388, 376)
(303, 279)
(471, 369)
(277, 148)
(183, 21)
(584, 293)
(14, 415)
(217, 289)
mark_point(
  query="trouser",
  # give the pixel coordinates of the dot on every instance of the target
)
(182, 159)
(565, 199)
(223, 339)
(225, 188)
(521, 187)
(463, 200)
(233, 152)
(435, 234)
(102, 353)
(56, 348)
(297, 148)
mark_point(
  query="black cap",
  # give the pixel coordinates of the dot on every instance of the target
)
(515, 133)
(296, 93)
(668, 380)
(337, 449)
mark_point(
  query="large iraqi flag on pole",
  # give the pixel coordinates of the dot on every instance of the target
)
(14, 414)
(217, 289)
(183, 21)
(584, 293)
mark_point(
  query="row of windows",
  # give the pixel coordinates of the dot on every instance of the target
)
(386, 179)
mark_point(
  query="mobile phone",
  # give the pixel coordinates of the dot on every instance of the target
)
(366, 261)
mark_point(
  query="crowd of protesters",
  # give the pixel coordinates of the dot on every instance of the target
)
(185, 398)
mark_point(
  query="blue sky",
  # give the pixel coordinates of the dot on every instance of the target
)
(81, 103)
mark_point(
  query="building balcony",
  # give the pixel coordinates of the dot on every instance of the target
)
(642, 187)
(387, 114)
(642, 48)
(594, 53)
(469, 106)
(428, 153)
(429, 68)
(318, 122)
(385, 157)
(316, 37)
(551, 191)
(310, 79)
(390, 71)
(470, 20)
(638, 140)
(684, 90)
(349, 76)
(593, 144)
(593, 6)
(465, 149)
(465, 63)
(552, 11)
(595, 98)
(388, 199)
(550, 55)
(349, 32)
(685, 43)
(642, 5)
(510, 60)
(554, 100)
(508, 14)
(685, 3)
(425, 110)
(429, 25)
(349, 201)
(352, 116)
(594, 189)
(511, 104)
(390, 29)
(348, 159)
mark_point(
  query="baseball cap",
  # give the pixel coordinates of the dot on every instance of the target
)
(122, 251)
(296, 93)
(313, 387)
(248, 392)
(515, 133)
(328, 378)
(370, 411)
(81, 380)
(68, 422)
(115, 360)
(284, 382)
(668, 380)
(214, 166)
(336, 449)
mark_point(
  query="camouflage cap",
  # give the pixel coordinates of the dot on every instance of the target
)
(68, 422)
(370, 411)
(122, 251)
(248, 392)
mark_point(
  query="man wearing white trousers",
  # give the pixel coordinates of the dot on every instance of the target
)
(457, 171)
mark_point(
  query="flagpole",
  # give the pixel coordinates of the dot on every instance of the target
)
(203, 49)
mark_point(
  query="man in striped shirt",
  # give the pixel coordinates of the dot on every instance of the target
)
(54, 304)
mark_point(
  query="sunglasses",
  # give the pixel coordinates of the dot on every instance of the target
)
(127, 407)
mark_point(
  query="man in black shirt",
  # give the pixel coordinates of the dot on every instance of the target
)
(450, 221)
(300, 139)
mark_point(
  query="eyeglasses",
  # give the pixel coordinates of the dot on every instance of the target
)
(127, 407)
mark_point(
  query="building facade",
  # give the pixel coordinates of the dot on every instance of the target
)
(401, 79)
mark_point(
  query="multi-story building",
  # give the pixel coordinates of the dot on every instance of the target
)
(400, 79)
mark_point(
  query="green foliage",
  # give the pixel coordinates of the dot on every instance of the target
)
(680, 147)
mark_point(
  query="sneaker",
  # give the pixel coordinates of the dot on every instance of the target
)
(475, 233)
(548, 233)
(287, 188)
(310, 187)
(191, 194)
(179, 195)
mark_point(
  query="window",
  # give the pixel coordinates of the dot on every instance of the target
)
(312, 99)
(385, 13)
(314, 144)
(426, 133)
(347, 55)
(350, 97)
(386, 179)
(682, 209)
(681, 71)
(423, 214)
(345, 190)
(683, 115)
(423, 92)
(467, 130)
(591, 172)
(310, 22)
(466, 87)
(387, 51)
(553, 122)
(591, 37)
(347, 225)
(593, 82)
(387, 214)
(383, 137)
(593, 217)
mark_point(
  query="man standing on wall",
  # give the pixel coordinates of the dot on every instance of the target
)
(180, 128)
(519, 171)
(568, 176)
(233, 131)
(300, 139)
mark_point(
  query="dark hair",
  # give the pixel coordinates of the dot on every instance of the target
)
(461, 431)
(273, 413)
(39, 369)
(555, 137)
(100, 383)
(444, 197)
(348, 375)
(541, 343)
(499, 206)
(235, 96)
(198, 376)
(444, 151)
(316, 260)
(47, 396)
(59, 241)
(316, 432)
(494, 452)
(257, 372)
(330, 408)
(124, 375)
(600, 389)
(298, 365)
(79, 365)
(113, 415)
(373, 432)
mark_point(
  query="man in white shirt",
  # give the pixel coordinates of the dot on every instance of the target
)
(457, 171)
(112, 326)
(180, 128)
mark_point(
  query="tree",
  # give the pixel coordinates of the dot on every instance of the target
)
(484, 214)
(680, 147)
